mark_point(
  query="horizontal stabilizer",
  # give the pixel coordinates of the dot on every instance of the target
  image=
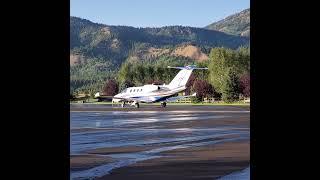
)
(189, 67)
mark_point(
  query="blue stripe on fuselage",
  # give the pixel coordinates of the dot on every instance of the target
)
(157, 98)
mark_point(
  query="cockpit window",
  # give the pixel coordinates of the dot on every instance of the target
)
(124, 91)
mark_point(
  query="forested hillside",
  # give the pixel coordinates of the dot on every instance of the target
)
(97, 51)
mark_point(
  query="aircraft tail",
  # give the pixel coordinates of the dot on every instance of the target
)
(182, 77)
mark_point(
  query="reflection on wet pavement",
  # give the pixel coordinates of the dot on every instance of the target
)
(92, 130)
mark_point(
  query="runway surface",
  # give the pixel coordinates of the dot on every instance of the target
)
(152, 107)
(155, 143)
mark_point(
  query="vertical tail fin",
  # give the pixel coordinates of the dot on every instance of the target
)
(182, 77)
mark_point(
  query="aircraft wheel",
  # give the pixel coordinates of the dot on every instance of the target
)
(136, 105)
(164, 104)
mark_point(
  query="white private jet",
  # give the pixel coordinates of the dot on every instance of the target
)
(151, 93)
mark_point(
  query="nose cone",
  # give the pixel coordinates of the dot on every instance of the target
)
(117, 95)
(116, 98)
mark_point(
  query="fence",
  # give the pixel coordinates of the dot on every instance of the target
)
(183, 100)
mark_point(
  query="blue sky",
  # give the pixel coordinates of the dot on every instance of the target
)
(156, 13)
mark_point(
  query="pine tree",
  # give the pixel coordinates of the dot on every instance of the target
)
(231, 88)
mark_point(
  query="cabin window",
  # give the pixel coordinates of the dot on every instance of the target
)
(130, 90)
(140, 90)
(134, 90)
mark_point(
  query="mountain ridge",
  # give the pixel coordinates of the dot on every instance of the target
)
(116, 43)
(235, 24)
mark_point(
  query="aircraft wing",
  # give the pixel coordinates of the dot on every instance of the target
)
(172, 99)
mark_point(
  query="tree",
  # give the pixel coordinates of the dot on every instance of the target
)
(159, 72)
(202, 74)
(202, 88)
(225, 68)
(231, 87)
(149, 73)
(218, 66)
(125, 85)
(139, 73)
(92, 94)
(244, 59)
(125, 73)
(245, 84)
(111, 88)
(222, 59)
(156, 82)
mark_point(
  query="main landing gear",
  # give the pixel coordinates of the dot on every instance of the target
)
(163, 104)
(135, 104)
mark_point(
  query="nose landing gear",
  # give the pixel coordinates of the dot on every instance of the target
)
(163, 104)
